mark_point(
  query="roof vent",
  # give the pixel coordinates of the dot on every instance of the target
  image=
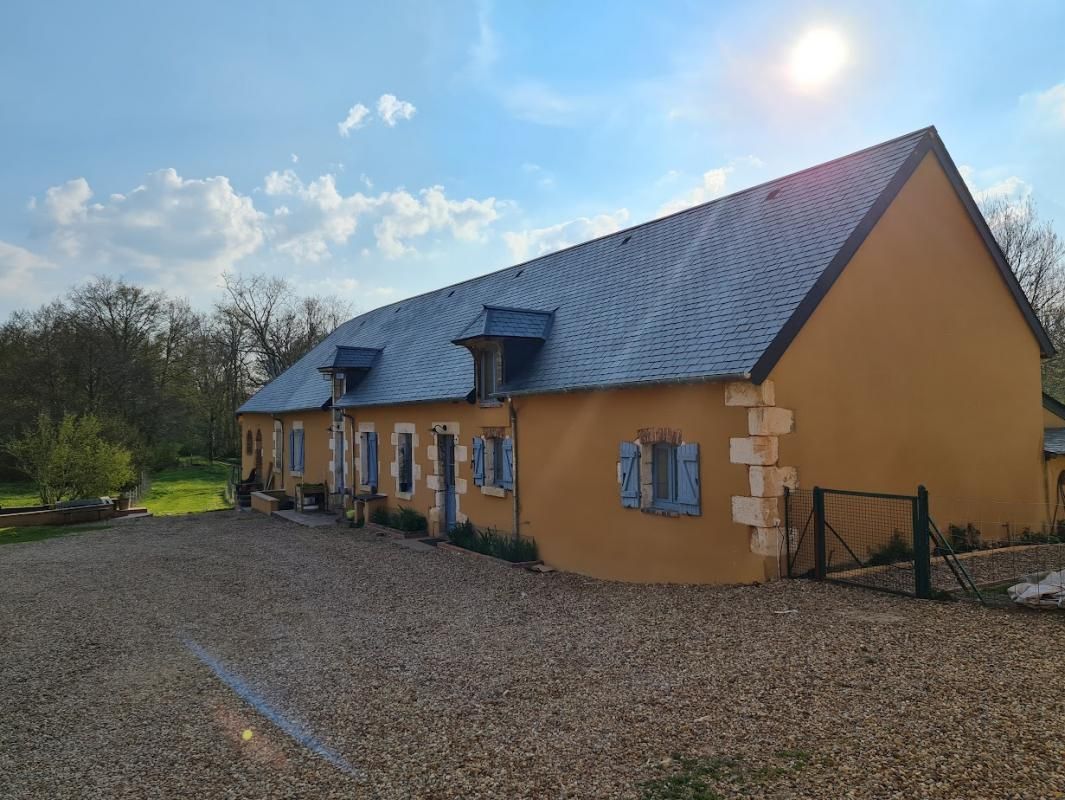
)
(449, 294)
(772, 195)
(398, 309)
(626, 239)
(518, 274)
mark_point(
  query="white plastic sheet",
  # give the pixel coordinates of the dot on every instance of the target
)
(1045, 592)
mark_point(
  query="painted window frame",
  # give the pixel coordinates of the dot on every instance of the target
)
(405, 466)
(488, 356)
(667, 500)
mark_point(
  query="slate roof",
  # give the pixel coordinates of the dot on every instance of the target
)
(1053, 406)
(1054, 441)
(711, 292)
(515, 323)
(346, 357)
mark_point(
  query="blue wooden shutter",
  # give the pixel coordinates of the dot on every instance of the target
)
(292, 450)
(688, 478)
(508, 464)
(299, 442)
(371, 459)
(478, 461)
(630, 475)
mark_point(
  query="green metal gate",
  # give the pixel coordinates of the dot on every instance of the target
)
(870, 539)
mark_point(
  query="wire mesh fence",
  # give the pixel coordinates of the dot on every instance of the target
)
(890, 543)
(863, 538)
(997, 556)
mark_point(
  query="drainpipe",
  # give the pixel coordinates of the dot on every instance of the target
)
(280, 468)
(514, 440)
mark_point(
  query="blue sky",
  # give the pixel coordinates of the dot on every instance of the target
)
(169, 143)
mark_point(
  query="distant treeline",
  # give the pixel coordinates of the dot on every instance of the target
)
(163, 378)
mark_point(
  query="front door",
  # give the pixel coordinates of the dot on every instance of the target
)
(446, 446)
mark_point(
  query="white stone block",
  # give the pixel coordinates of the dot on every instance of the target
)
(432, 452)
(758, 512)
(767, 541)
(770, 481)
(748, 395)
(460, 486)
(753, 450)
(435, 482)
(461, 452)
(770, 421)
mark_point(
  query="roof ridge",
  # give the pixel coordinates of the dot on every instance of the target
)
(522, 264)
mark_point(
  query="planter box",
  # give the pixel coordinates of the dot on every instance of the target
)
(454, 548)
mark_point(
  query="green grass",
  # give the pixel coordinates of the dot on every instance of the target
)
(711, 778)
(187, 489)
(14, 494)
(34, 533)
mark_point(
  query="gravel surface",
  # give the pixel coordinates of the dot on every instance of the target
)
(132, 660)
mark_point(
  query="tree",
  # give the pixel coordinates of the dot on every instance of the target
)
(280, 325)
(1036, 254)
(71, 459)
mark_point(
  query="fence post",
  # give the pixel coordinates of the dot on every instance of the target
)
(787, 532)
(922, 566)
(820, 567)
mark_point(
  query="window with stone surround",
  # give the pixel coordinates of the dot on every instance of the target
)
(493, 462)
(405, 461)
(659, 473)
(488, 374)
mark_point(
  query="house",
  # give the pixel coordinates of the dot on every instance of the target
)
(1054, 456)
(638, 403)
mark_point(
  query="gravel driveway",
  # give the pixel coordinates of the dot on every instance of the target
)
(135, 661)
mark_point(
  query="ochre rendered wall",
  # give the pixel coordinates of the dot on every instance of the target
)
(567, 456)
(1052, 420)
(918, 367)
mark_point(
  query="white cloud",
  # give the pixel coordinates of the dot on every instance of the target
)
(1047, 106)
(531, 243)
(988, 185)
(166, 223)
(326, 218)
(21, 274)
(286, 182)
(295, 158)
(543, 178)
(391, 109)
(537, 102)
(365, 180)
(355, 119)
(484, 52)
(713, 185)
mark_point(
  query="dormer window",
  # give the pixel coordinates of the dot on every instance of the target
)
(503, 341)
(487, 374)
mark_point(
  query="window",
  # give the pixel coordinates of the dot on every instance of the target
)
(368, 458)
(295, 450)
(487, 375)
(660, 476)
(249, 446)
(497, 461)
(406, 462)
(493, 462)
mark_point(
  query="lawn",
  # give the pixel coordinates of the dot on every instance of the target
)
(194, 485)
(14, 494)
(199, 486)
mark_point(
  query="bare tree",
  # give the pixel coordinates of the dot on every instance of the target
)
(1033, 249)
(1036, 254)
(280, 325)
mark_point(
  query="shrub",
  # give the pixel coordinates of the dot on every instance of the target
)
(71, 460)
(897, 549)
(490, 542)
(381, 516)
(404, 519)
(964, 540)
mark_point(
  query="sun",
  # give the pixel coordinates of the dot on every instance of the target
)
(817, 58)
